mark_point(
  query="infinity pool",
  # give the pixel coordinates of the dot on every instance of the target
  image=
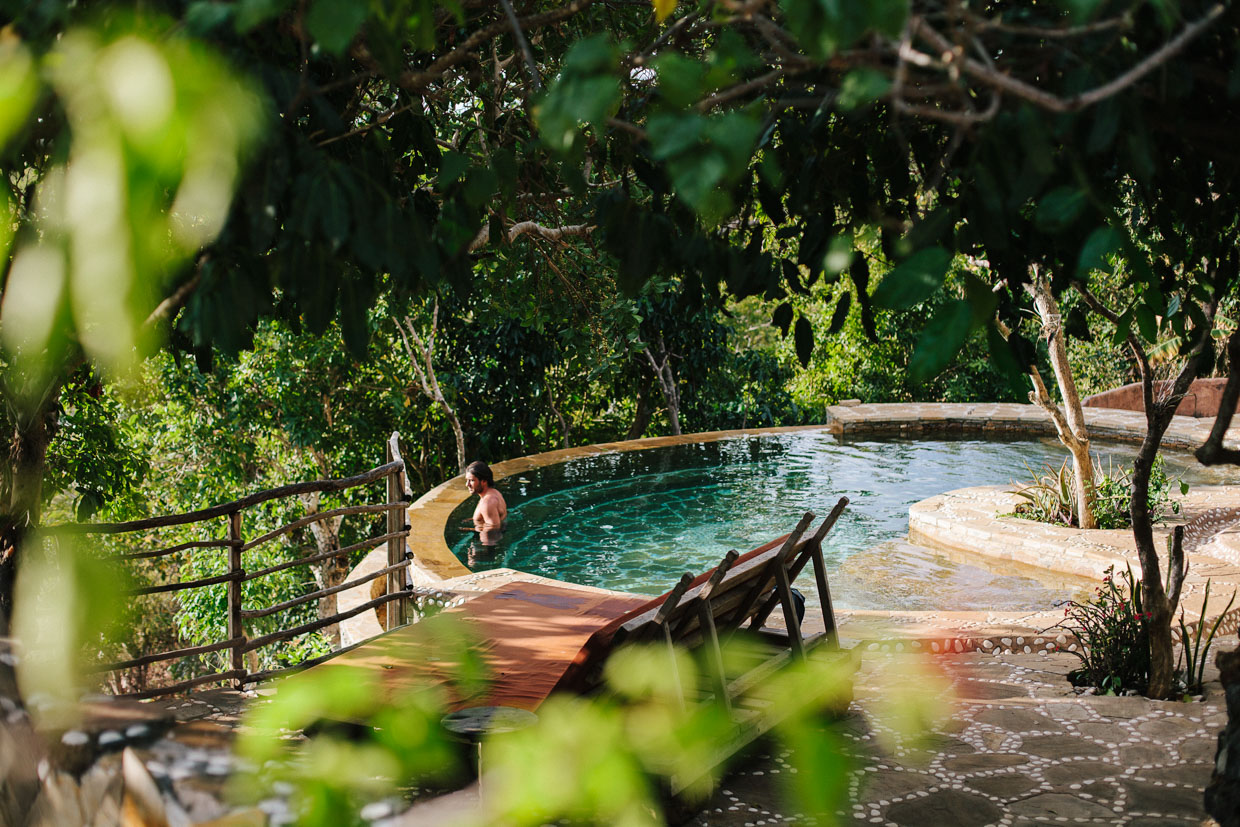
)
(636, 520)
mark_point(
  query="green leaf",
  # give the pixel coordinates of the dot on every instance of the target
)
(1060, 207)
(591, 55)
(695, 178)
(1100, 245)
(981, 298)
(825, 26)
(1105, 127)
(941, 341)
(1076, 324)
(681, 81)
(451, 168)
(841, 313)
(862, 86)
(1001, 352)
(733, 135)
(1122, 328)
(252, 13)
(913, 280)
(782, 318)
(570, 102)
(356, 298)
(839, 255)
(332, 203)
(18, 89)
(672, 134)
(480, 186)
(333, 23)
(888, 16)
(803, 336)
(1146, 323)
(205, 16)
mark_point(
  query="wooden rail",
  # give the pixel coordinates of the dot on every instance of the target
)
(396, 601)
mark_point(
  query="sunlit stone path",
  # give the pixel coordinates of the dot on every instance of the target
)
(1018, 747)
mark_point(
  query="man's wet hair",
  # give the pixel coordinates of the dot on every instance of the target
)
(481, 471)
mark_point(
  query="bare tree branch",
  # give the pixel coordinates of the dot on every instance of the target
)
(533, 228)
(167, 308)
(417, 82)
(989, 75)
(739, 90)
(524, 44)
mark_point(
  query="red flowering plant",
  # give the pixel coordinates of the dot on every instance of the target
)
(1113, 632)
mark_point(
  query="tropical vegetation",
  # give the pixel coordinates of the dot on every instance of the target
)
(244, 238)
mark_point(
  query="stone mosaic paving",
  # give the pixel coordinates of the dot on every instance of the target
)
(1019, 748)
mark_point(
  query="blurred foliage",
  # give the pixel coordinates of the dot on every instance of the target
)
(341, 740)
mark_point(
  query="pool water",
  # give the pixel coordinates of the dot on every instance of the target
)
(635, 521)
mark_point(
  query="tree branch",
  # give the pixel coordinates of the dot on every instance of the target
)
(169, 306)
(990, 76)
(417, 82)
(1212, 452)
(524, 44)
(534, 228)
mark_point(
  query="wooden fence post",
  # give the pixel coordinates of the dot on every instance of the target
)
(396, 609)
(235, 629)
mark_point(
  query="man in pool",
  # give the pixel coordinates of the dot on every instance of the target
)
(492, 511)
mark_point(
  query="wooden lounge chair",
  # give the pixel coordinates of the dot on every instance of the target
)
(740, 594)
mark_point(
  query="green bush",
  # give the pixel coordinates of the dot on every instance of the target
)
(1114, 634)
(1048, 497)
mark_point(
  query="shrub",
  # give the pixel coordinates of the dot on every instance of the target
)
(1192, 652)
(1114, 635)
(1049, 496)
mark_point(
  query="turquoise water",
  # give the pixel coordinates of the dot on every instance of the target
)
(635, 521)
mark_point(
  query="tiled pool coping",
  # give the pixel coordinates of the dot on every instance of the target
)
(960, 520)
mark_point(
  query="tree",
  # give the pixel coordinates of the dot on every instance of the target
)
(120, 153)
(1070, 423)
(421, 352)
(740, 149)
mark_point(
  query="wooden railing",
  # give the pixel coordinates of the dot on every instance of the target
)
(396, 598)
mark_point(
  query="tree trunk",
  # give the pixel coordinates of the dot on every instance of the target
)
(559, 415)
(666, 377)
(641, 417)
(1158, 414)
(1070, 422)
(421, 352)
(27, 463)
(330, 572)
(1153, 595)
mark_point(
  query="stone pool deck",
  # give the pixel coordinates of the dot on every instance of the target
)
(1017, 747)
(1012, 745)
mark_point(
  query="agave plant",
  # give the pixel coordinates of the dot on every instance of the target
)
(1048, 499)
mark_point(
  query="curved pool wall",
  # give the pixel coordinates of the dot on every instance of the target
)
(434, 561)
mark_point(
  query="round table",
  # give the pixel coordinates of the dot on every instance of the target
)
(474, 722)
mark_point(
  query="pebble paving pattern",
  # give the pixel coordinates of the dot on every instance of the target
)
(1020, 747)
